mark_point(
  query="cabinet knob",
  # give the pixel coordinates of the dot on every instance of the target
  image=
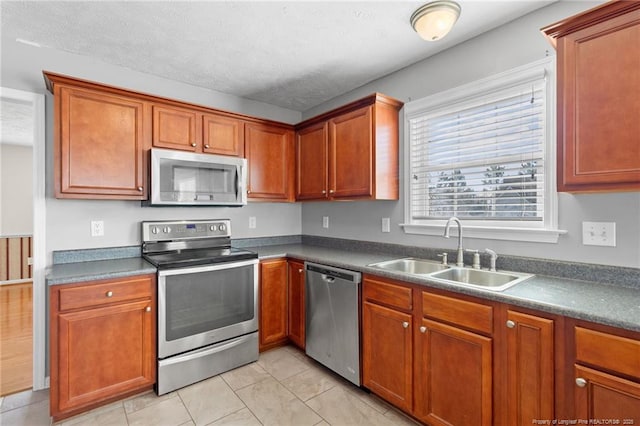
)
(300, 271)
(206, 146)
(248, 191)
(580, 382)
(324, 192)
(423, 329)
(511, 324)
(109, 294)
(148, 309)
(331, 191)
(193, 144)
(405, 324)
(140, 188)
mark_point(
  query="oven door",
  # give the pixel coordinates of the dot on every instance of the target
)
(201, 305)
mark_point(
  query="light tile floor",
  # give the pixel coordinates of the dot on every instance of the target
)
(284, 387)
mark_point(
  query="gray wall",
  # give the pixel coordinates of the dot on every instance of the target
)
(68, 221)
(511, 45)
(16, 190)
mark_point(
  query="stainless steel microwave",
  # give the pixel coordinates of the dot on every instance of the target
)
(181, 178)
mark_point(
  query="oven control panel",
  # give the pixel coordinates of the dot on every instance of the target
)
(185, 229)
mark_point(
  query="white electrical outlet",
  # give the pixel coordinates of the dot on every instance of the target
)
(97, 228)
(386, 224)
(325, 221)
(599, 234)
(252, 222)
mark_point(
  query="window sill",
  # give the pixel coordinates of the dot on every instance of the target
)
(535, 235)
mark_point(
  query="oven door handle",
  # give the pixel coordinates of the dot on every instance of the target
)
(209, 350)
(207, 268)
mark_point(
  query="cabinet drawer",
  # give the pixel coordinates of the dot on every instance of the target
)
(473, 316)
(608, 351)
(392, 295)
(104, 293)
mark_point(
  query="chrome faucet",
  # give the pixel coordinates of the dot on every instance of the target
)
(492, 259)
(460, 260)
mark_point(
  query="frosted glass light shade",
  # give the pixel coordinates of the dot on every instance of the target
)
(434, 20)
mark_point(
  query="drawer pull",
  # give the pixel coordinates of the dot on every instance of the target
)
(511, 324)
(148, 309)
(423, 329)
(109, 294)
(580, 382)
(405, 324)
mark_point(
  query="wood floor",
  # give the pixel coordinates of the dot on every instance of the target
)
(16, 337)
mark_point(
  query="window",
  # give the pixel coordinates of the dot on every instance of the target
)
(484, 152)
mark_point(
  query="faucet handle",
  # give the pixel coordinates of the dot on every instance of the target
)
(476, 258)
(492, 259)
(443, 255)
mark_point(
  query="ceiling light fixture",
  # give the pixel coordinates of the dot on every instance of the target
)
(434, 20)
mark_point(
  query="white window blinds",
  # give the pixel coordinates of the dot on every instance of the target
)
(481, 159)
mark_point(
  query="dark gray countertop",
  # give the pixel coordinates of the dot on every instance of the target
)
(66, 273)
(607, 304)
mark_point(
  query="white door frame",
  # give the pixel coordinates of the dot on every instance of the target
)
(39, 235)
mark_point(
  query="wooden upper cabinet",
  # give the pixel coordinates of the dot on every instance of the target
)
(222, 135)
(312, 162)
(269, 150)
(175, 128)
(99, 143)
(350, 152)
(598, 98)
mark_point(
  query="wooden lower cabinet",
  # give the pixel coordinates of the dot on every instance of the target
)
(273, 303)
(530, 368)
(387, 354)
(296, 302)
(103, 346)
(453, 376)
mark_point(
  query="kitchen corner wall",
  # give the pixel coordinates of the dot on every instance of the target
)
(68, 221)
(511, 45)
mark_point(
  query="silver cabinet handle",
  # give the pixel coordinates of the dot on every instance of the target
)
(140, 188)
(206, 146)
(580, 382)
(511, 324)
(148, 309)
(405, 324)
(423, 329)
(193, 144)
(109, 294)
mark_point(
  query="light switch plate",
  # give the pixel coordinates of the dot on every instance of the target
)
(599, 234)
(252, 222)
(386, 224)
(325, 221)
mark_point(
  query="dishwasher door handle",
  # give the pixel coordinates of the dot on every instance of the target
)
(327, 278)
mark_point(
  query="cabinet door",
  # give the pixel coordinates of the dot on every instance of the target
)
(175, 128)
(269, 152)
(599, 105)
(387, 354)
(604, 397)
(99, 145)
(351, 154)
(453, 376)
(103, 352)
(296, 303)
(222, 135)
(530, 368)
(311, 164)
(273, 303)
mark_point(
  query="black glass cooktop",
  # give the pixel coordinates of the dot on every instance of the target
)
(195, 257)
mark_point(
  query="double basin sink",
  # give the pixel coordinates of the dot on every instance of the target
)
(489, 280)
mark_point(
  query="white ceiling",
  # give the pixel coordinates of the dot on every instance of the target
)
(294, 54)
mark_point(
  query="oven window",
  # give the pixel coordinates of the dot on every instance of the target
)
(205, 301)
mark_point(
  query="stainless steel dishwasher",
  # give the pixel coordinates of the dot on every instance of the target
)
(332, 320)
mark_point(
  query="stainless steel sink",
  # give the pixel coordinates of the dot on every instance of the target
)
(411, 266)
(496, 281)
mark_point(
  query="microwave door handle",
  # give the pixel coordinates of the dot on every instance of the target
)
(238, 183)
